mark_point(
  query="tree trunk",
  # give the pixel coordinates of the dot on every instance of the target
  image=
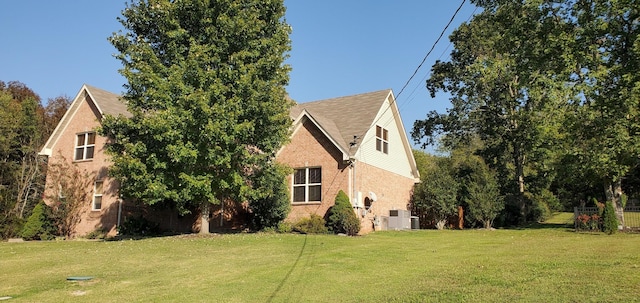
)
(28, 174)
(613, 193)
(204, 218)
(518, 159)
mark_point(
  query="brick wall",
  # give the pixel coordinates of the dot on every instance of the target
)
(86, 119)
(392, 191)
(309, 147)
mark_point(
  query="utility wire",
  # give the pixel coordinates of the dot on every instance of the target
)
(424, 78)
(416, 71)
(432, 47)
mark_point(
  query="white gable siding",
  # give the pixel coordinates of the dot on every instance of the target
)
(396, 160)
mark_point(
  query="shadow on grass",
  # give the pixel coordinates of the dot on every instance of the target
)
(286, 277)
(544, 225)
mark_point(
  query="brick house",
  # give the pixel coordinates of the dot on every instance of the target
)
(356, 144)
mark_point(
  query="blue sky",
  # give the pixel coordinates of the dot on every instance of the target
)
(339, 48)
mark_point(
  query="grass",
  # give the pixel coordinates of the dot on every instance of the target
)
(539, 264)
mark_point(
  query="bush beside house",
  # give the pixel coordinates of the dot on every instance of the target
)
(342, 219)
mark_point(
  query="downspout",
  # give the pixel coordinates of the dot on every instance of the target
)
(352, 161)
(119, 213)
(355, 190)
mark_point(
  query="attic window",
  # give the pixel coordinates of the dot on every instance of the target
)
(85, 145)
(307, 184)
(382, 139)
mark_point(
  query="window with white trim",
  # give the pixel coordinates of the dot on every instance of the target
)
(307, 185)
(85, 145)
(97, 195)
(382, 139)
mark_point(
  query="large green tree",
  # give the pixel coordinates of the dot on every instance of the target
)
(606, 125)
(206, 92)
(503, 81)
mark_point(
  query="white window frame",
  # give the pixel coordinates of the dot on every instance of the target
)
(382, 139)
(85, 146)
(97, 194)
(305, 185)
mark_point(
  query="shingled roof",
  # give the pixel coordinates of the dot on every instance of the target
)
(344, 117)
(107, 103)
(340, 118)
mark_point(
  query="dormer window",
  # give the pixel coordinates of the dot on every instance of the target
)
(382, 139)
(85, 145)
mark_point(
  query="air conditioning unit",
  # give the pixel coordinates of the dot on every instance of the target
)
(399, 219)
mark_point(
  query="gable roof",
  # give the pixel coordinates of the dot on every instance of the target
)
(340, 119)
(107, 103)
(345, 117)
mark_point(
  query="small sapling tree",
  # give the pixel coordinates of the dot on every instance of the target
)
(68, 190)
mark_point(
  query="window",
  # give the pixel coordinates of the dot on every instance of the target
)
(97, 195)
(307, 185)
(382, 140)
(85, 144)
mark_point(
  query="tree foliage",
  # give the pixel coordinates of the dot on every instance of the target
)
(437, 193)
(23, 130)
(606, 124)
(504, 89)
(38, 225)
(543, 83)
(479, 187)
(206, 90)
(270, 203)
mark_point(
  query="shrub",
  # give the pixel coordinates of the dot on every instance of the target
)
(97, 234)
(342, 219)
(270, 203)
(38, 225)
(591, 222)
(311, 225)
(437, 192)
(138, 226)
(483, 195)
(10, 227)
(284, 227)
(610, 222)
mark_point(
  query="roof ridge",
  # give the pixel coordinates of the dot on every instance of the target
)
(348, 96)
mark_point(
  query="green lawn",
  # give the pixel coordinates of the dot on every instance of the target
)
(549, 263)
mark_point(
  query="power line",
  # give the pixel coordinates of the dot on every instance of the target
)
(432, 47)
(416, 71)
(424, 78)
